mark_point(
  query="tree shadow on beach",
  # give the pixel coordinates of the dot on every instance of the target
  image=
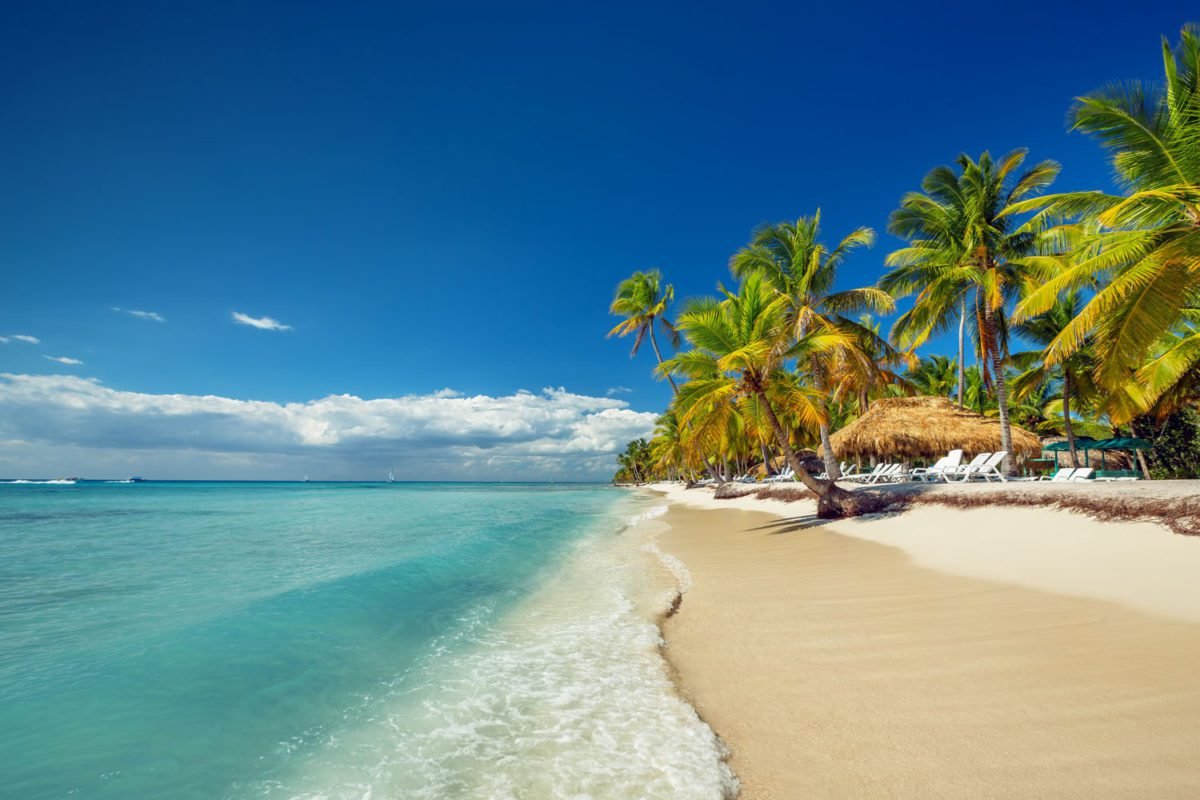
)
(791, 525)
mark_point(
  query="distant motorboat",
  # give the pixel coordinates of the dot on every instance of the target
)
(136, 479)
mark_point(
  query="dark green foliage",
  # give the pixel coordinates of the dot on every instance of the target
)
(636, 463)
(1176, 451)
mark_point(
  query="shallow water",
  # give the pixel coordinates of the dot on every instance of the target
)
(336, 640)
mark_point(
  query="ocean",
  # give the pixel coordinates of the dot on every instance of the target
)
(339, 640)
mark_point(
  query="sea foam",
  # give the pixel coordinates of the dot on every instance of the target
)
(564, 696)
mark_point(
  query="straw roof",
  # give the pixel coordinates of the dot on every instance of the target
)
(924, 427)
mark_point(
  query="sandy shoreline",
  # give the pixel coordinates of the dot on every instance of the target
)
(939, 653)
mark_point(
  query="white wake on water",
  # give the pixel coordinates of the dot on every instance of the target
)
(566, 696)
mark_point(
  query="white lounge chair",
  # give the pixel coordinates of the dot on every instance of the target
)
(824, 476)
(1061, 476)
(970, 466)
(1082, 474)
(788, 474)
(863, 477)
(987, 470)
(948, 463)
(889, 473)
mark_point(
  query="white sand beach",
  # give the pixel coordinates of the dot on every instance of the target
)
(992, 652)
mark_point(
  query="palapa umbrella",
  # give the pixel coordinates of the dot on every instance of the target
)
(902, 428)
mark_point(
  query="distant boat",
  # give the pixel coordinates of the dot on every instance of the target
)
(305, 478)
(136, 479)
(391, 477)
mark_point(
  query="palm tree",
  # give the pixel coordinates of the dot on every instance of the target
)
(935, 377)
(1073, 373)
(741, 346)
(850, 376)
(642, 298)
(792, 260)
(965, 249)
(1144, 253)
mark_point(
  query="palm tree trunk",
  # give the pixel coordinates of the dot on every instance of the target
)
(1067, 415)
(831, 462)
(658, 355)
(712, 472)
(962, 361)
(833, 502)
(993, 346)
(766, 457)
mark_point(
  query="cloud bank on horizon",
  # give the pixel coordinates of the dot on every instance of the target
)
(64, 424)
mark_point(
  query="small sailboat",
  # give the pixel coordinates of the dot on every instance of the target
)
(305, 478)
(391, 477)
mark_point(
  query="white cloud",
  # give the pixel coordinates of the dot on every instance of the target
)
(20, 337)
(613, 391)
(153, 316)
(552, 434)
(65, 360)
(262, 323)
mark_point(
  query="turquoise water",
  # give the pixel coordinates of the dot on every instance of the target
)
(206, 640)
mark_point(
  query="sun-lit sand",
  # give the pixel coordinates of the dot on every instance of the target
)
(1007, 653)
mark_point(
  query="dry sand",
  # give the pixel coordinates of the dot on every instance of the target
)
(994, 653)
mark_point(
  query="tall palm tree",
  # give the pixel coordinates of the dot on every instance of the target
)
(1074, 374)
(965, 248)
(1145, 253)
(741, 346)
(795, 263)
(642, 299)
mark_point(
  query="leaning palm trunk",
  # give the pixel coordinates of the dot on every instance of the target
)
(831, 462)
(993, 347)
(833, 502)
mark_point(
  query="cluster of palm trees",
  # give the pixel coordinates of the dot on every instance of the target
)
(1103, 290)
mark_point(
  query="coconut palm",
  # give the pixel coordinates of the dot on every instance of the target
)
(642, 299)
(965, 249)
(937, 376)
(1073, 374)
(793, 261)
(1145, 253)
(853, 381)
(741, 349)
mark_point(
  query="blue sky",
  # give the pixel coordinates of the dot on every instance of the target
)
(444, 196)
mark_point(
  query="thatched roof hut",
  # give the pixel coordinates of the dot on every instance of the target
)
(924, 427)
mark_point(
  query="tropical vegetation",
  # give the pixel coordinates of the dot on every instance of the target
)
(1075, 314)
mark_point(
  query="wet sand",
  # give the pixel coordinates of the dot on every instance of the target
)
(837, 667)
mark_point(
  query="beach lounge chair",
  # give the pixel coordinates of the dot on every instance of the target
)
(987, 470)
(788, 474)
(890, 472)
(824, 476)
(969, 467)
(947, 463)
(1061, 476)
(863, 477)
(1082, 474)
